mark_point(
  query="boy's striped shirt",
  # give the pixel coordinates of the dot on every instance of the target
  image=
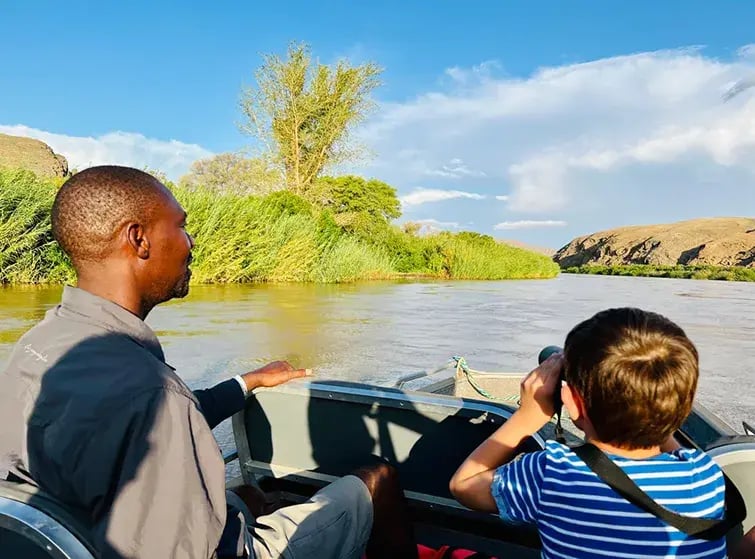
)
(579, 516)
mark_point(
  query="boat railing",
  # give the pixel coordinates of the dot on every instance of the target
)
(230, 456)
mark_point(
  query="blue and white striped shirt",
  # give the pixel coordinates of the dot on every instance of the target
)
(579, 516)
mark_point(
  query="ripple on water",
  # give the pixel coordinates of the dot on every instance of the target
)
(377, 331)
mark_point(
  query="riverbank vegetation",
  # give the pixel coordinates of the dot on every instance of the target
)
(277, 237)
(736, 273)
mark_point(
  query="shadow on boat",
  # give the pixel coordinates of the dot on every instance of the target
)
(294, 439)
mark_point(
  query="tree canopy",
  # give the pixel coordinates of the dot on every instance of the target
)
(356, 195)
(304, 111)
(234, 173)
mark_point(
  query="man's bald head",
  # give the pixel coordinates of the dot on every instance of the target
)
(92, 207)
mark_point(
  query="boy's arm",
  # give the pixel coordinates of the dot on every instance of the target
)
(471, 484)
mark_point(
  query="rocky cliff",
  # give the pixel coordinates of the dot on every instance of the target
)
(728, 241)
(27, 153)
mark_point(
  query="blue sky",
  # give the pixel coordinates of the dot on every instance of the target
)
(536, 121)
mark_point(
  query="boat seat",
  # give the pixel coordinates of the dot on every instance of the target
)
(309, 433)
(35, 525)
(309, 430)
(736, 456)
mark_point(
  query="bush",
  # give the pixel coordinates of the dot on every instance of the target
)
(279, 237)
(475, 256)
(28, 252)
(734, 273)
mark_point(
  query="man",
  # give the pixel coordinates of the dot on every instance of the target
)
(746, 547)
(91, 413)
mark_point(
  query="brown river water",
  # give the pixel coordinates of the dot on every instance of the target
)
(376, 332)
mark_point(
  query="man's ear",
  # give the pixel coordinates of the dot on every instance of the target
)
(573, 402)
(137, 240)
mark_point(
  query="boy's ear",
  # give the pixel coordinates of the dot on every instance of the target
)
(573, 403)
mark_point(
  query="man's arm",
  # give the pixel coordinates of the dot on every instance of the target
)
(227, 398)
(167, 481)
(221, 401)
(746, 547)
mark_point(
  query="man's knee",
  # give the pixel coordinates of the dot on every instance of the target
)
(378, 476)
(336, 522)
(254, 498)
(382, 481)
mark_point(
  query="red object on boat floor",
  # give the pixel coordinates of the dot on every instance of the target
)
(447, 552)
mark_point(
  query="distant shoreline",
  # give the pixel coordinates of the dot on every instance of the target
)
(720, 273)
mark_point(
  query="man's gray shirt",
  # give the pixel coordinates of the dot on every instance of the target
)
(91, 413)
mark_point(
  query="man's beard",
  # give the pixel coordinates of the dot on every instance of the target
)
(181, 289)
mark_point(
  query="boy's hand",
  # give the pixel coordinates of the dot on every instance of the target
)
(538, 391)
(471, 482)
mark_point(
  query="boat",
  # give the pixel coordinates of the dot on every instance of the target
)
(293, 439)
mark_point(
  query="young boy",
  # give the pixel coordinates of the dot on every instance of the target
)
(630, 378)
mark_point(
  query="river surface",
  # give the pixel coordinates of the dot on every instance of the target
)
(375, 332)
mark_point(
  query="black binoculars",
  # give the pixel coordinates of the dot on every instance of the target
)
(544, 354)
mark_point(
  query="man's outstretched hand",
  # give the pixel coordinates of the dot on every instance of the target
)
(273, 374)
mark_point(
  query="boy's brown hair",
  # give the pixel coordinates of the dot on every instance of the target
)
(636, 372)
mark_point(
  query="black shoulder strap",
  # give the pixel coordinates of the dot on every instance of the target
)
(702, 528)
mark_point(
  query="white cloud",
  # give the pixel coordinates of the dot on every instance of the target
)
(431, 224)
(454, 169)
(746, 51)
(117, 148)
(626, 139)
(528, 224)
(480, 72)
(739, 87)
(646, 137)
(425, 195)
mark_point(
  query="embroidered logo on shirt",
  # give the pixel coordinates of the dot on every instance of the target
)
(31, 351)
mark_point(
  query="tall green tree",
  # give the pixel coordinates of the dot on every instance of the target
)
(304, 112)
(350, 194)
(234, 173)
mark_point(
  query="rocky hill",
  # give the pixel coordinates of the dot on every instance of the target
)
(725, 241)
(27, 153)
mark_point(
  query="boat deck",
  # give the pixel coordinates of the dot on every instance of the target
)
(502, 387)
